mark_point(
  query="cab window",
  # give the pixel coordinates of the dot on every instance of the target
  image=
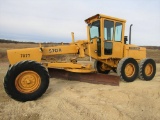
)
(95, 30)
(108, 30)
(118, 31)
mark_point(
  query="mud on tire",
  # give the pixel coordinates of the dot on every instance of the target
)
(26, 81)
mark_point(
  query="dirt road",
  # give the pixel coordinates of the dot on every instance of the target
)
(73, 100)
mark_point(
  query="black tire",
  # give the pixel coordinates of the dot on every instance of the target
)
(98, 66)
(38, 81)
(130, 65)
(147, 64)
(114, 70)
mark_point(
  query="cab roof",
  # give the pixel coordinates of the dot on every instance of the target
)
(104, 16)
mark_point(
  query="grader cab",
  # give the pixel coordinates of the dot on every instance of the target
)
(28, 77)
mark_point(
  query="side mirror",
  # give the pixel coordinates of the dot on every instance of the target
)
(125, 39)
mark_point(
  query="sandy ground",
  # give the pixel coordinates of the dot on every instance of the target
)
(73, 100)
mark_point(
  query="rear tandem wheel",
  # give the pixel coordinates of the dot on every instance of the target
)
(26, 81)
(128, 69)
(147, 69)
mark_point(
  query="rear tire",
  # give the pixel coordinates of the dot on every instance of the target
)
(98, 66)
(128, 69)
(147, 69)
(26, 81)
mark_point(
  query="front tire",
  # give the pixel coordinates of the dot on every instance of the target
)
(147, 69)
(26, 81)
(128, 69)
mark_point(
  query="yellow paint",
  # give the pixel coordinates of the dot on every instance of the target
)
(17, 55)
(27, 82)
(62, 49)
(129, 70)
(149, 69)
(135, 52)
(64, 65)
(108, 47)
(72, 34)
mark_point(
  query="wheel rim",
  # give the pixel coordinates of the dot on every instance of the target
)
(129, 70)
(27, 82)
(149, 69)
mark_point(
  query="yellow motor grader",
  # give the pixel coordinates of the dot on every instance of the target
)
(28, 77)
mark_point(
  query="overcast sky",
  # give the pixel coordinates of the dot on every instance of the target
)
(54, 20)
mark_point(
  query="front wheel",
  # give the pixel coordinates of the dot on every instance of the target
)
(128, 69)
(147, 69)
(26, 81)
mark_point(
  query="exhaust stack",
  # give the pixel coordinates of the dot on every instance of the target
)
(130, 33)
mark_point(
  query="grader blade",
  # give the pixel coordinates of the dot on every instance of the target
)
(95, 78)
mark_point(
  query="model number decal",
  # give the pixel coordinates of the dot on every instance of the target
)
(134, 48)
(25, 55)
(55, 50)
